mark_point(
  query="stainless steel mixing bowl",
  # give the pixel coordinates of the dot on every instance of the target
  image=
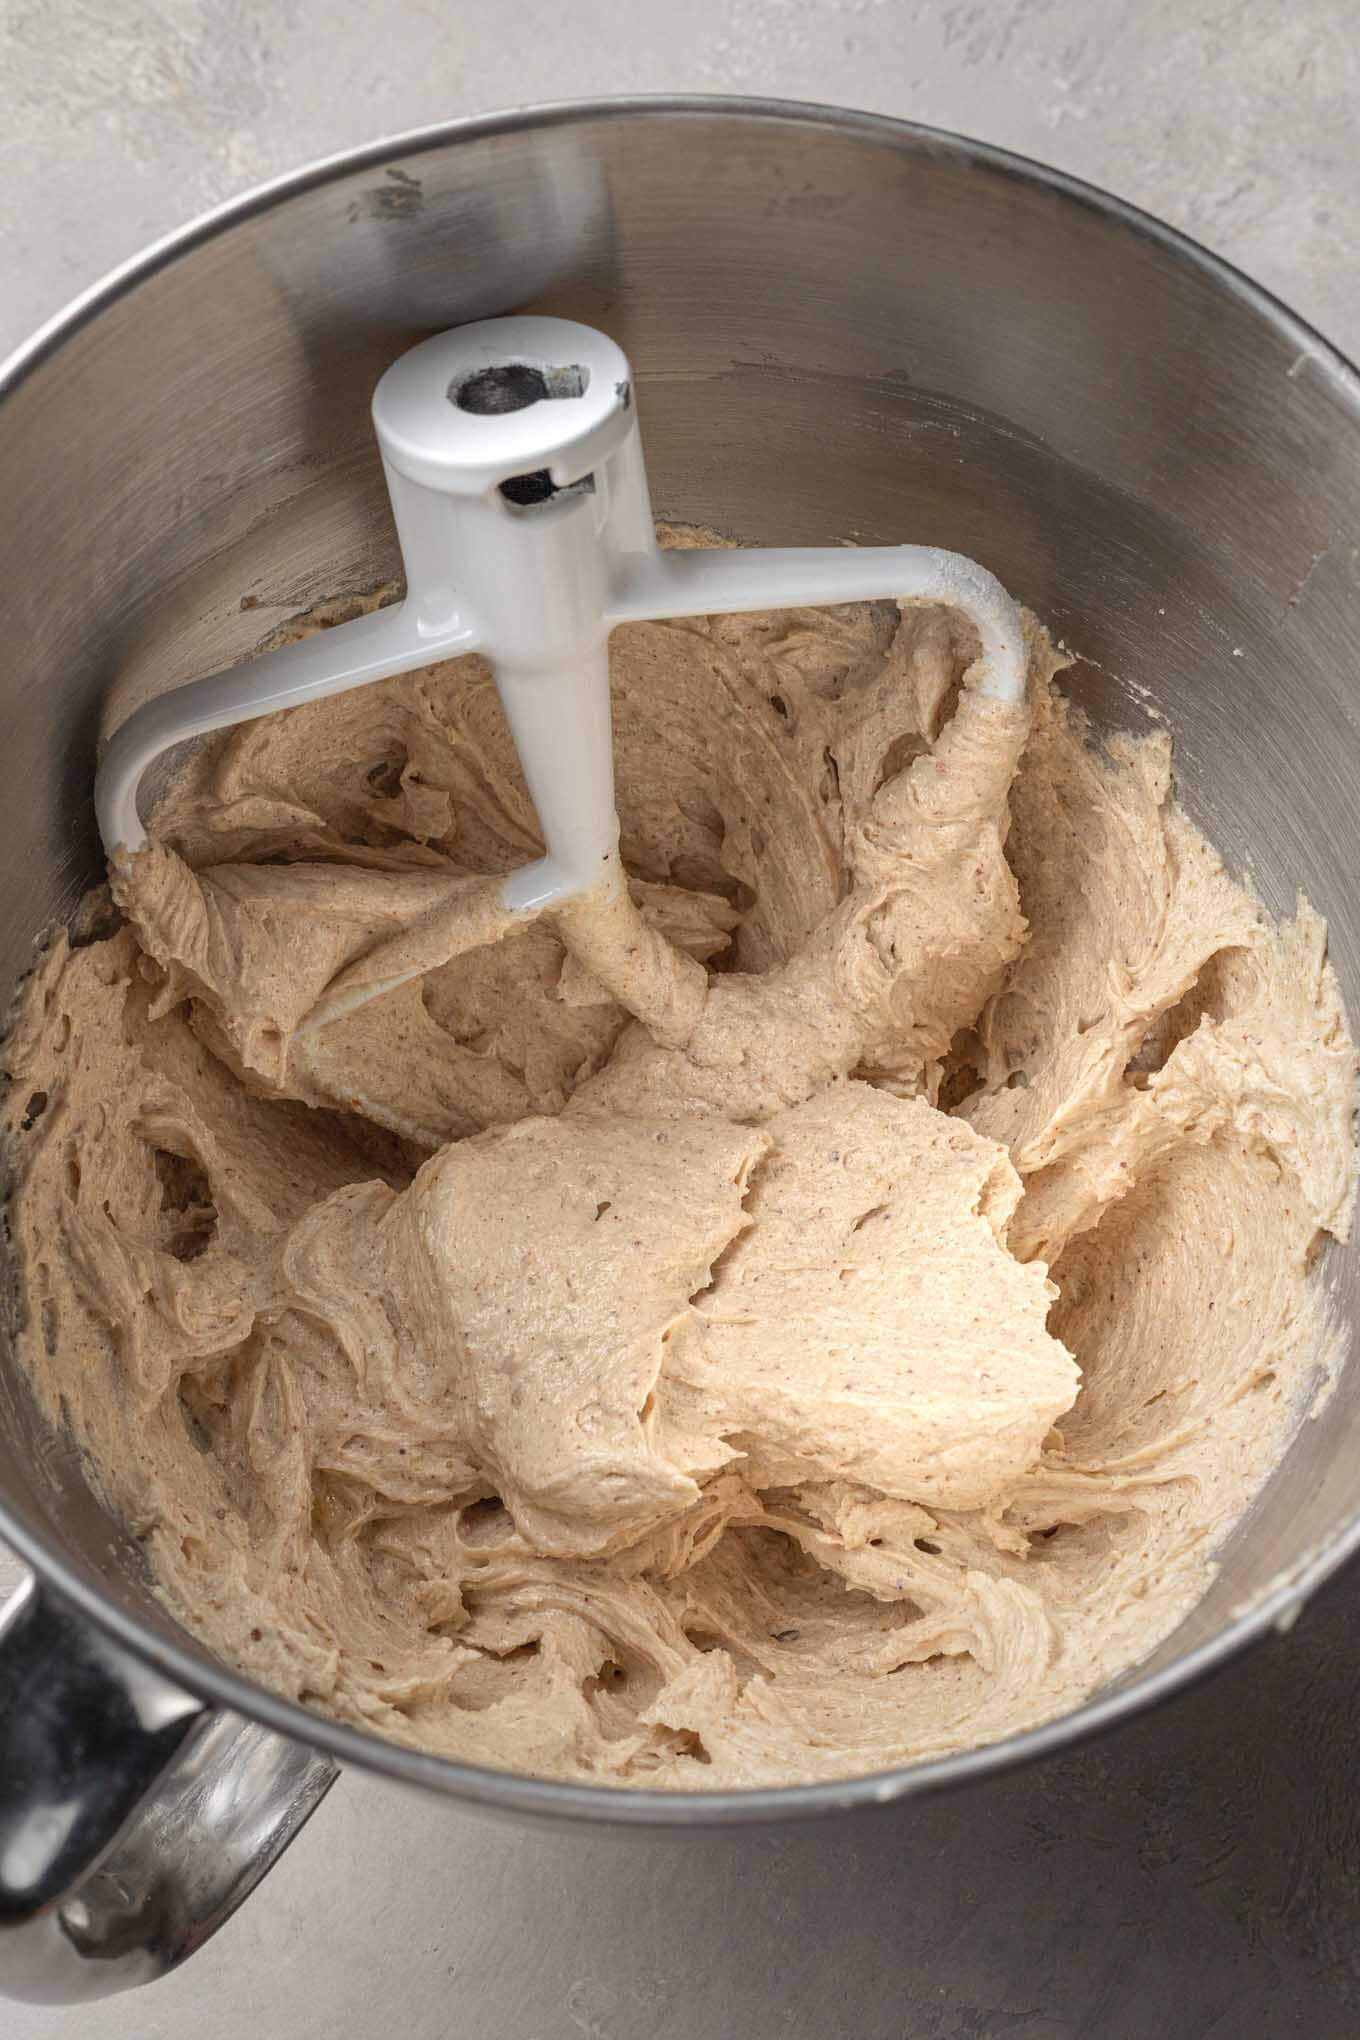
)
(843, 327)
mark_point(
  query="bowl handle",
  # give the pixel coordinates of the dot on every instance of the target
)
(133, 1818)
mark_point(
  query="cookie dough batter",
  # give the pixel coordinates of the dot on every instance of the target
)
(817, 1304)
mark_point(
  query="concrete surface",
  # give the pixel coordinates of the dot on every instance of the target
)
(1196, 1876)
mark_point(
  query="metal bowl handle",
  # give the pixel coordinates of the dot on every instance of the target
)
(133, 1818)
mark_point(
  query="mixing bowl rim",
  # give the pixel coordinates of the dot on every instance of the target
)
(513, 1792)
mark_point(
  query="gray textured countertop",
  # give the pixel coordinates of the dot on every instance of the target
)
(1195, 1876)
